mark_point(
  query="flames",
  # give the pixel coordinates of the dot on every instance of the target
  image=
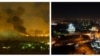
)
(39, 35)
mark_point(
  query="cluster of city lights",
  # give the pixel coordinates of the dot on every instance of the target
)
(29, 46)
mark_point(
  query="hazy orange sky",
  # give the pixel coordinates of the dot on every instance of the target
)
(34, 15)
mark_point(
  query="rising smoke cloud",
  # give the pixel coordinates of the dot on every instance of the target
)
(15, 20)
(23, 17)
(29, 16)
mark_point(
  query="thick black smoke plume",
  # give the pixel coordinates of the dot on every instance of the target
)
(15, 20)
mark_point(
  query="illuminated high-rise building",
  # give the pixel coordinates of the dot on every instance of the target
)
(71, 28)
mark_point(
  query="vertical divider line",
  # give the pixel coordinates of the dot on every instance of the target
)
(50, 27)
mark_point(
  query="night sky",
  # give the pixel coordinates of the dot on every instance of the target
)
(75, 10)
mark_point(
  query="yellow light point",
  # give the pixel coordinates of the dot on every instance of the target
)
(33, 47)
(27, 35)
(4, 47)
(46, 35)
(29, 45)
(41, 47)
(48, 43)
(41, 35)
(24, 34)
(88, 34)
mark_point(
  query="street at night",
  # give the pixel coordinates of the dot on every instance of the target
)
(75, 28)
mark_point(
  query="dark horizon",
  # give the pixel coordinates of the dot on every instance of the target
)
(76, 10)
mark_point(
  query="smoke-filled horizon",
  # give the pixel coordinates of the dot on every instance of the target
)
(24, 17)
